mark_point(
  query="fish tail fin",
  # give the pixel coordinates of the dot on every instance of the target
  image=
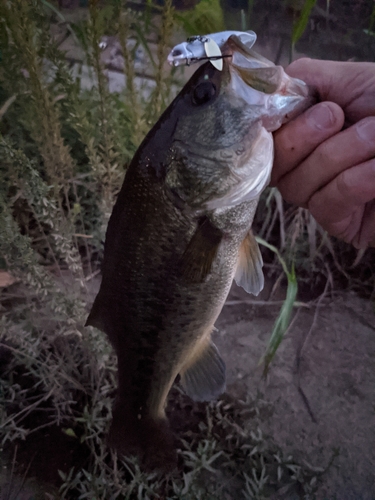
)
(147, 437)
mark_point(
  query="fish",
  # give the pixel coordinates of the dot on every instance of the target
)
(180, 232)
(195, 48)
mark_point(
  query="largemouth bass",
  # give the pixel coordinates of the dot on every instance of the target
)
(180, 232)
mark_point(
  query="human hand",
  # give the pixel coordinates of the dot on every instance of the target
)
(327, 168)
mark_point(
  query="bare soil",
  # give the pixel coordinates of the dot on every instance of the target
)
(318, 401)
(320, 387)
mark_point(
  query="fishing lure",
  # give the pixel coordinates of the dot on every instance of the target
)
(198, 48)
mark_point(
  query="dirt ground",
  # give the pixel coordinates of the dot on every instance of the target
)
(320, 387)
(320, 391)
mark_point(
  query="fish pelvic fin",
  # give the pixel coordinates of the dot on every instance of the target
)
(147, 437)
(197, 260)
(203, 377)
(249, 274)
(95, 317)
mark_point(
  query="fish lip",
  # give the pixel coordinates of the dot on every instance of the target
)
(284, 95)
(234, 45)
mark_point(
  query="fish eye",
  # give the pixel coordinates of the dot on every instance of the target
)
(176, 52)
(203, 92)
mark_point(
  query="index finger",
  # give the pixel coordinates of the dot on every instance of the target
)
(300, 137)
(344, 150)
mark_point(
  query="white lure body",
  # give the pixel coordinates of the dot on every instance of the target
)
(206, 47)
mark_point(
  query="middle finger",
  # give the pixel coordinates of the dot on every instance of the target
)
(296, 140)
(344, 150)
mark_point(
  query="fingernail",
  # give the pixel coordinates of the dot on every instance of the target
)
(366, 129)
(320, 116)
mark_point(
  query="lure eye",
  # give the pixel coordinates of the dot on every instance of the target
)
(203, 93)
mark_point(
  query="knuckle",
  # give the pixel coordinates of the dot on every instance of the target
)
(366, 132)
(344, 184)
(301, 63)
(323, 155)
(314, 205)
(288, 191)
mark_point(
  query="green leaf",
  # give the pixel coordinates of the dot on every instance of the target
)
(69, 432)
(206, 17)
(300, 26)
(283, 320)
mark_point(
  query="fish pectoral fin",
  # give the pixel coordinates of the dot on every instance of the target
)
(203, 379)
(196, 262)
(249, 272)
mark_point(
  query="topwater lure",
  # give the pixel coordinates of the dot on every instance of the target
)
(202, 47)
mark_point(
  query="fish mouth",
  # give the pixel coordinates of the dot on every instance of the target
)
(259, 81)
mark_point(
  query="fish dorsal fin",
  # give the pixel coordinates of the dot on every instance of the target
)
(196, 262)
(203, 377)
(249, 272)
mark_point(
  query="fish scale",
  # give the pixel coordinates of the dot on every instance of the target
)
(179, 233)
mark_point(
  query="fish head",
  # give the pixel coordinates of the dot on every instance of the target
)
(222, 147)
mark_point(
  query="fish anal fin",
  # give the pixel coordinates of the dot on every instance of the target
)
(197, 260)
(203, 377)
(249, 274)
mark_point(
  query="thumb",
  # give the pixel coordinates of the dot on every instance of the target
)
(351, 85)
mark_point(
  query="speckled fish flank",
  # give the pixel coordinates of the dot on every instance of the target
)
(180, 232)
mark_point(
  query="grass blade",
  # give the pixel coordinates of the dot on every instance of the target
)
(300, 26)
(283, 320)
(144, 44)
